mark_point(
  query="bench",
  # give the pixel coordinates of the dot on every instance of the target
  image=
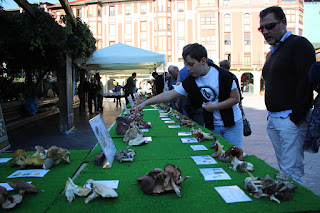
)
(15, 115)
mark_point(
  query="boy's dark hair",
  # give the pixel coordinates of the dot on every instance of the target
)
(196, 51)
(154, 74)
(277, 11)
(134, 74)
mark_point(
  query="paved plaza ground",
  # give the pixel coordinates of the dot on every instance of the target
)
(46, 133)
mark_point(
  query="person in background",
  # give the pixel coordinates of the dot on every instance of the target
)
(117, 90)
(92, 95)
(99, 92)
(159, 83)
(288, 94)
(174, 72)
(130, 88)
(211, 88)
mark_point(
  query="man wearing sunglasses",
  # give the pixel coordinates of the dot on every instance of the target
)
(288, 94)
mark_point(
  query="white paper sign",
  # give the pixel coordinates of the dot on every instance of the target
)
(147, 138)
(102, 134)
(198, 147)
(29, 173)
(163, 115)
(184, 133)
(173, 126)
(232, 194)
(113, 184)
(169, 122)
(204, 160)
(166, 119)
(4, 160)
(161, 111)
(214, 174)
(189, 140)
(144, 130)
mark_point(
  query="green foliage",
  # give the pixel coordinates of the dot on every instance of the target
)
(10, 91)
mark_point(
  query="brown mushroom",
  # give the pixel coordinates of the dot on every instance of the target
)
(22, 187)
(3, 194)
(234, 151)
(12, 201)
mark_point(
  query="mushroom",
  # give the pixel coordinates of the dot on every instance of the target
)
(132, 133)
(125, 155)
(217, 149)
(22, 187)
(57, 154)
(234, 151)
(12, 201)
(18, 157)
(100, 189)
(137, 141)
(71, 189)
(3, 194)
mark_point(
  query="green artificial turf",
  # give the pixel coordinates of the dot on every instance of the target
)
(50, 185)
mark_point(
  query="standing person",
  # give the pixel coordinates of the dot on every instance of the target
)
(288, 94)
(99, 93)
(92, 95)
(158, 82)
(211, 88)
(174, 72)
(130, 87)
(117, 90)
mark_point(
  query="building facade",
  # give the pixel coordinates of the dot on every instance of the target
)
(227, 28)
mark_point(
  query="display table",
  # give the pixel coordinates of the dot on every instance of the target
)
(198, 195)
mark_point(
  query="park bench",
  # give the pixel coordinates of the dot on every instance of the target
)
(15, 115)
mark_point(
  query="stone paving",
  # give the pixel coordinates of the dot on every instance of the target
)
(260, 145)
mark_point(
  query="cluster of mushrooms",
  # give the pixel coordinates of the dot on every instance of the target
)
(158, 181)
(10, 201)
(42, 158)
(98, 189)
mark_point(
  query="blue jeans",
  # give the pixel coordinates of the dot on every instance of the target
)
(232, 134)
(287, 139)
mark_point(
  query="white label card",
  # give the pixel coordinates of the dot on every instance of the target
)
(232, 194)
(184, 133)
(4, 160)
(29, 173)
(144, 130)
(169, 122)
(113, 184)
(214, 174)
(204, 160)
(165, 119)
(173, 126)
(189, 140)
(198, 147)
(147, 138)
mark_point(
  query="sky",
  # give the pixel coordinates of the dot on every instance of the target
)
(11, 4)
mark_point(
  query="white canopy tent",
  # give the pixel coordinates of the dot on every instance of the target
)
(124, 59)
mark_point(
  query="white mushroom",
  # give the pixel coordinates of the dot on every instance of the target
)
(100, 189)
(137, 141)
(71, 189)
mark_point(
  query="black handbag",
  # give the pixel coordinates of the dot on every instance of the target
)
(246, 127)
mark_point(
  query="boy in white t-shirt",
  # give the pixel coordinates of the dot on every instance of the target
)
(211, 88)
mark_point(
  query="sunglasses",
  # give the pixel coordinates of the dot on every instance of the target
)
(268, 26)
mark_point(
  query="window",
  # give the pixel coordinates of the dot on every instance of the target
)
(161, 5)
(99, 11)
(127, 28)
(92, 10)
(300, 32)
(93, 27)
(180, 6)
(247, 60)
(143, 8)
(169, 58)
(112, 10)
(169, 23)
(266, 2)
(180, 44)
(226, 2)
(181, 27)
(227, 56)
(79, 12)
(227, 38)
(246, 22)
(112, 29)
(207, 36)
(300, 17)
(246, 2)
(207, 17)
(144, 44)
(128, 43)
(207, 2)
(162, 43)
(111, 43)
(162, 24)
(128, 9)
(143, 26)
(227, 19)
(290, 15)
(247, 38)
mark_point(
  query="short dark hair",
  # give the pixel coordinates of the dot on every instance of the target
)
(154, 74)
(277, 11)
(196, 51)
(225, 64)
(134, 74)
